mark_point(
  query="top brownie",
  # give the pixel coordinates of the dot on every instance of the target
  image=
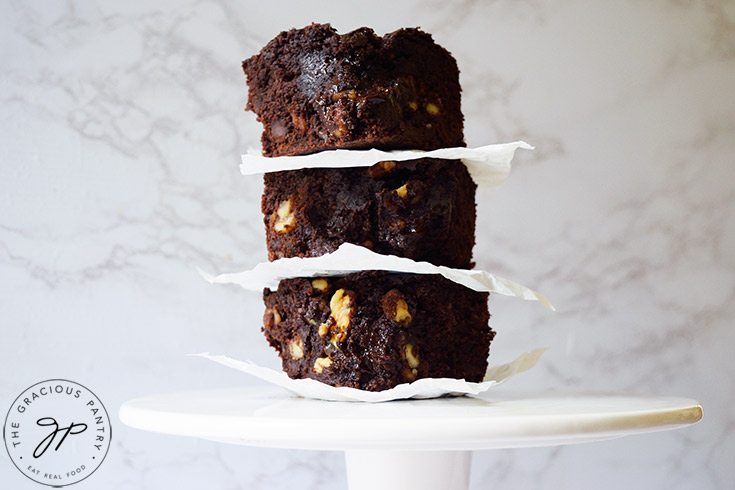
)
(314, 90)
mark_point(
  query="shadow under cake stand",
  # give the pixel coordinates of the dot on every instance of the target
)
(407, 444)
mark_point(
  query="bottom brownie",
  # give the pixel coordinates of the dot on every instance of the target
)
(375, 330)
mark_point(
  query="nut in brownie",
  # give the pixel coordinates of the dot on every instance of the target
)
(376, 330)
(421, 209)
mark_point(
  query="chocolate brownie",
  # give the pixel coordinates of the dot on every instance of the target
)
(422, 209)
(376, 330)
(314, 90)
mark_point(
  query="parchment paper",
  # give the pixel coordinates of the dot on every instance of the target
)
(488, 165)
(421, 388)
(350, 258)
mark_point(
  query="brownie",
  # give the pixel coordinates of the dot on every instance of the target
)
(314, 89)
(376, 330)
(422, 209)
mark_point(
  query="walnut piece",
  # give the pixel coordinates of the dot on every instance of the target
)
(381, 169)
(321, 285)
(396, 308)
(321, 363)
(296, 348)
(412, 356)
(411, 353)
(342, 308)
(298, 122)
(408, 373)
(271, 317)
(350, 94)
(283, 219)
(402, 314)
(432, 109)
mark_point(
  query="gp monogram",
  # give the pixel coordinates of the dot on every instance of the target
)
(57, 432)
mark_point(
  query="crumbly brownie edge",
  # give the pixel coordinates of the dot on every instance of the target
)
(313, 89)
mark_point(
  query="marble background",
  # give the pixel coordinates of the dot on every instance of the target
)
(120, 134)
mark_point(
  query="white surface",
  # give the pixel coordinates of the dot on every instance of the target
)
(120, 139)
(408, 470)
(272, 418)
(407, 444)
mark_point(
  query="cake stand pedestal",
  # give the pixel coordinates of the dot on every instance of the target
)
(407, 444)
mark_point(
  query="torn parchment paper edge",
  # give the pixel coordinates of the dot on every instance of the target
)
(349, 258)
(488, 165)
(421, 388)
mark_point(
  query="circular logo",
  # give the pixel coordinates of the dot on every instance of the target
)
(57, 432)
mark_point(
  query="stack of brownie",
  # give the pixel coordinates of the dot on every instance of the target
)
(315, 90)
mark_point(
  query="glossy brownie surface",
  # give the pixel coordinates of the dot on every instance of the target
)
(314, 89)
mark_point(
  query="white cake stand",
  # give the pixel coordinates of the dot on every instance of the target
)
(410, 444)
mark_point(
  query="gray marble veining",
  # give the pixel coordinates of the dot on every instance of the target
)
(120, 136)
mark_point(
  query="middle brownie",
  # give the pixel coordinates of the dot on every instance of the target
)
(421, 209)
